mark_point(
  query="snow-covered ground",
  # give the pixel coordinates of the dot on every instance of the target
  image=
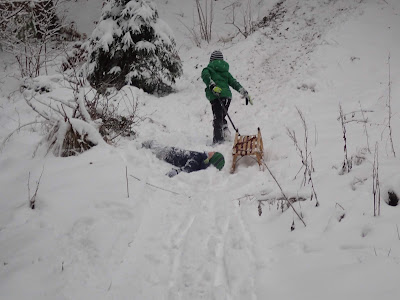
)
(200, 235)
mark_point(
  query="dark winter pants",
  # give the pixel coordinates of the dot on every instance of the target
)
(219, 121)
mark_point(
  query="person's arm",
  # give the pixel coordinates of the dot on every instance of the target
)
(191, 166)
(234, 83)
(238, 87)
(206, 76)
(173, 172)
(196, 162)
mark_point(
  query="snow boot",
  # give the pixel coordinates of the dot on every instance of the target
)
(226, 133)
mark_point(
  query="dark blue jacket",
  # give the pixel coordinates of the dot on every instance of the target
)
(186, 160)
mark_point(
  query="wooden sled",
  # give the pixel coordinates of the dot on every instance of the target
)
(245, 145)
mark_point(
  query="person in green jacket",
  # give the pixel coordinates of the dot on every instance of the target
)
(217, 78)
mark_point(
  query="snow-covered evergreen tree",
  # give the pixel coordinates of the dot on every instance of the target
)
(132, 46)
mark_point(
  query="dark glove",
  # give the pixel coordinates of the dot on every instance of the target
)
(248, 99)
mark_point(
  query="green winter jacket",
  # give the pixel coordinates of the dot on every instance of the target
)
(217, 71)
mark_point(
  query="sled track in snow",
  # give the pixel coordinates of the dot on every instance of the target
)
(212, 255)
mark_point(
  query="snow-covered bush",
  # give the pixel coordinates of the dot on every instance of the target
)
(78, 119)
(69, 128)
(26, 29)
(132, 46)
(74, 57)
(115, 112)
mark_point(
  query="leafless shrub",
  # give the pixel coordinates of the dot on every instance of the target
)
(357, 116)
(205, 15)
(29, 31)
(279, 202)
(68, 130)
(70, 33)
(193, 34)
(84, 120)
(74, 58)
(305, 155)
(106, 109)
(247, 25)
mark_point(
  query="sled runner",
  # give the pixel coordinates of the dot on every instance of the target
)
(248, 145)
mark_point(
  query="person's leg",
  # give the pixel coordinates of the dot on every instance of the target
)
(225, 130)
(159, 150)
(172, 155)
(226, 102)
(217, 121)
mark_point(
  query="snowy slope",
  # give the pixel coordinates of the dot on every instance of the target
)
(199, 235)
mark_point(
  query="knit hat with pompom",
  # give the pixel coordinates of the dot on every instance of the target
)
(217, 160)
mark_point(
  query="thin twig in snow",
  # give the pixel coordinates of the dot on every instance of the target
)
(347, 163)
(283, 194)
(340, 206)
(390, 109)
(14, 131)
(127, 183)
(365, 127)
(32, 201)
(157, 187)
(376, 191)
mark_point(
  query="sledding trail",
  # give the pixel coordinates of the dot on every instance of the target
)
(211, 253)
(194, 261)
(239, 249)
(144, 267)
(178, 235)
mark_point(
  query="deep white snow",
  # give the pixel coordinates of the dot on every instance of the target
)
(199, 235)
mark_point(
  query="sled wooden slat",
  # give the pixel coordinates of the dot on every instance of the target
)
(248, 145)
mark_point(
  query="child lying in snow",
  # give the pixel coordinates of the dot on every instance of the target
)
(186, 161)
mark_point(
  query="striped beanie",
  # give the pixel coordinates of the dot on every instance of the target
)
(216, 55)
(217, 160)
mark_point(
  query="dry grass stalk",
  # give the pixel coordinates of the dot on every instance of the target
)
(305, 155)
(390, 109)
(283, 194)
(375, 183)
(32, 200)
(347, 163)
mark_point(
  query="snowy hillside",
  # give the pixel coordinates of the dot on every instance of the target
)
(108, 224)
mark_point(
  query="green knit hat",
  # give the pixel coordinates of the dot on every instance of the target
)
(217, 160)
